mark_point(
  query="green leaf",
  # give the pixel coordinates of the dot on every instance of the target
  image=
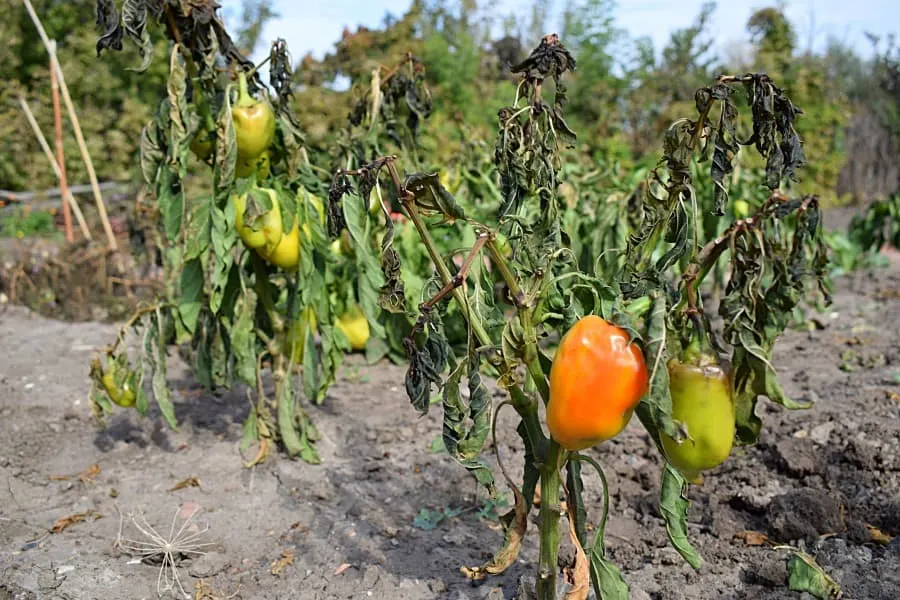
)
(427, 520)
(754, 377)
(371, 279)
(170, 197)
(673, 504)
(226, 146)
(575, 487)
(154, 360)
(197, 231)
(426, 363)
(250, 433)
(310, 367)
(606, 577)
(152, 152)
(287, 204)
(655, 409)
(467, 424)
(219, 354)
(223, 240)
(191, 300)
(805, 575)
(201, 349)
(243, 338)
(294, 426)
(531, 475)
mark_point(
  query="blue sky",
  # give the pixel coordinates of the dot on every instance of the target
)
(316, 26)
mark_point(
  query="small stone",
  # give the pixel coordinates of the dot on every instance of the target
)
(494, 594)
(209, 564)
(670, 556)
(638, 594)
(820, 433)
(894, 547)
(370, 577)
(437, 586)
(455, 538)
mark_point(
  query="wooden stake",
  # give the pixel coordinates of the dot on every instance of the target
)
(68, 196)
(60, 153)
(79, 136)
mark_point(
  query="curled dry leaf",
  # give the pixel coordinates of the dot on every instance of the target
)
(878, 536)
(186, 483)
(64, 522)
(507, 555)
(751, 538)
(287, 558)
(84, 476)
(578, 574)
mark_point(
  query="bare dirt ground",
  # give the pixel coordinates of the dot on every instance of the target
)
(826, 480)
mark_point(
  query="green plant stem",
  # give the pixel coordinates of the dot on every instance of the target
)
(526, 318)
(446, 278)
(524, 406)
(549, 518)
(518, 296)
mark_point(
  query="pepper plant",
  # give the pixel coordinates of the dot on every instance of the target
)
(253, 283)
(693, 388)
(582, 336)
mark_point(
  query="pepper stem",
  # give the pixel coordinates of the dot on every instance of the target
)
(244, 97)
(549, 528)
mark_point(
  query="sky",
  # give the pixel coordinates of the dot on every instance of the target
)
(316, 26)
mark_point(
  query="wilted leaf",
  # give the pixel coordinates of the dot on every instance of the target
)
(673, 504)
(467, 423)
(578, 575)
(514, 534)
(804, 575)
(191, 300)
(154, 360)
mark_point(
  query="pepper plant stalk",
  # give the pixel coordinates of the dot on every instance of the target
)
(549, 528)
(547, 452)
(522, 404)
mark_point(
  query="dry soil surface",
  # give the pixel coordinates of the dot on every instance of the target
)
(826, 480)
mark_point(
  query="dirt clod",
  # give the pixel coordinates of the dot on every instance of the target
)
(804, 514)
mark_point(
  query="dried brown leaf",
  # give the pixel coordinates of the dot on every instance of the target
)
(751, 538)
(287, 558)
(878, 536)
(507, 555)
(65, 522)
(578, 574)
(186, 483)
(84, 476)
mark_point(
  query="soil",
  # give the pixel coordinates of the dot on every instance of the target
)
(825, 480)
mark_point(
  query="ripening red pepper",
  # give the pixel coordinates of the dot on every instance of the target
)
(597, 379)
